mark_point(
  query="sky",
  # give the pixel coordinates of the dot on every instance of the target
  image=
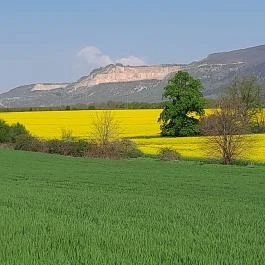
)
(61, 40)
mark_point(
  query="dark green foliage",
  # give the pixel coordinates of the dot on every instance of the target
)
(129, 149)
(64, 210)
(16, 130)
(258, 128)
(4, 132)
(185, 101)
(56, 146)
(29, 143)
(69, 148)
(9, 133)
(167, 154)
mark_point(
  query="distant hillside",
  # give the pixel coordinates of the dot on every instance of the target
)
(250, 56)
(139, 83)
(218, 69)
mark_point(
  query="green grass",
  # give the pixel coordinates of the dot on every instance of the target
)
(62, 210)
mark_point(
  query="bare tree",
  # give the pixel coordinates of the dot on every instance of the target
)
(105, 128)
(237, 113)
(249, 95)
(226, 130)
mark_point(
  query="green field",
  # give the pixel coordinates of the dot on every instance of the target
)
(62, 210)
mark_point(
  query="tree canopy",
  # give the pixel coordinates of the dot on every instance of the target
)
(185, 103)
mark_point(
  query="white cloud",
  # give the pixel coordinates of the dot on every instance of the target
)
(131, 60)
(91, 57)
(94, 57)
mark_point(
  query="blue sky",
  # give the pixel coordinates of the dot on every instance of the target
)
(58, 41)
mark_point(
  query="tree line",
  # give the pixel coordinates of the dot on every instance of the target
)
(109, 105)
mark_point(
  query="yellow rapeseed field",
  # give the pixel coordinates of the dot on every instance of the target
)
(140, 125)
(49, 124)
(194, 146)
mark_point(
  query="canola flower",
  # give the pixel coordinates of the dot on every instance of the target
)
(195, 146)
(49, 124)
(139, 125)
(186, 146)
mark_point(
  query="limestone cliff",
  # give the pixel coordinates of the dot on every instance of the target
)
(44, 87)
(119, 73)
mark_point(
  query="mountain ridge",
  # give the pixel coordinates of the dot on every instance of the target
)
(118, 82)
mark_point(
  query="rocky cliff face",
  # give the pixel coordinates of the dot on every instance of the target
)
(45, 87)
(119, 73)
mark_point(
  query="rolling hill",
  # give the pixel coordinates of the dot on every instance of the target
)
(139, 83)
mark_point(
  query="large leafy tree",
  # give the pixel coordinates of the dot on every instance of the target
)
(185, 103)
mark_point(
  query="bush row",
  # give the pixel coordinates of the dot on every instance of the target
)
(17, 136)
(20, 139)
(79, 148)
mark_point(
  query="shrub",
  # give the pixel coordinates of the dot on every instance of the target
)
(108, 150)
(4, 132)
(77, 148)
(16, 130)
(129, 149)
(167, 154)
(29, 143)
(8, 133)
(55, 146)
(115, 150)
(68, 148)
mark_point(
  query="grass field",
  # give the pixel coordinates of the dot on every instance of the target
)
(63, 210)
